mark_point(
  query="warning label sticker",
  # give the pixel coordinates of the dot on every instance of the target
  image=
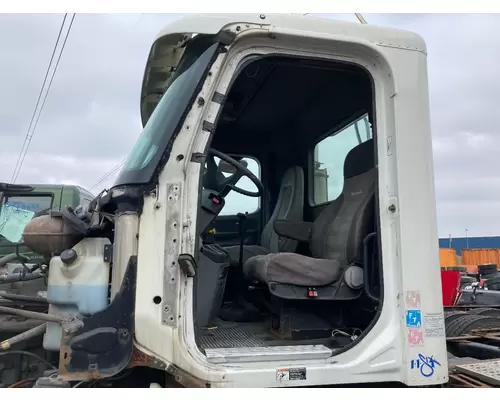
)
(290, 374)
(413, 319)
(434, 325)
(412, 299)
(415, 337)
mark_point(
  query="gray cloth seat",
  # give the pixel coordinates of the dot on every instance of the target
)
(289, 205)
(335, 240)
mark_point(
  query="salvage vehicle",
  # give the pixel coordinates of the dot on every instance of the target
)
(274, 226)
(22, 270)
(19, 203)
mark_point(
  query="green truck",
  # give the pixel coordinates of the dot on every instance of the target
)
(19, 203)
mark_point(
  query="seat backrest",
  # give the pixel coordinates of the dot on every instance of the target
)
(290, 205)
(339, 230)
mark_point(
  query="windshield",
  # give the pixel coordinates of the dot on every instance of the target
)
(166, 118)
(17, 211)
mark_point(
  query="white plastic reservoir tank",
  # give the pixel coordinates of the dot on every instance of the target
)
(78, 285)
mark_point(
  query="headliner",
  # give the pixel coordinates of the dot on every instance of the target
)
(291, 103)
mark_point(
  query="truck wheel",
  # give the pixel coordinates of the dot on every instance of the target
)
(450, 316)
(489, 312)
(486, 269)
(467, 323)
(493, 281)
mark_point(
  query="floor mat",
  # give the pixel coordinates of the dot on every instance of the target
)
(228, 337)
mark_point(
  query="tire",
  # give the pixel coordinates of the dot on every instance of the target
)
(489, 312)
(491, 276)
(493, 281)
(486, 269)
(488, 265)
(451, 316)
(466, 323)
(467, 280)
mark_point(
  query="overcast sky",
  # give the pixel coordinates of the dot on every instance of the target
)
(91, 117)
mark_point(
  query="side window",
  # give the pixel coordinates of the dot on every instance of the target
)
(236, 202)
(329, 157)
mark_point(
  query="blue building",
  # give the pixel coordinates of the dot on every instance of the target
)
(460, 243)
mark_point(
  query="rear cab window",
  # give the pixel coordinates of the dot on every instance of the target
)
(329, 157)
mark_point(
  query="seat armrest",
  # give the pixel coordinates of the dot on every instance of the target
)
(296, 230)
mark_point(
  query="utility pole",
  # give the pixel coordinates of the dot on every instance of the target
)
(466, 238)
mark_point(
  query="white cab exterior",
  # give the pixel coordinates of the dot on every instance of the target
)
(397, 62)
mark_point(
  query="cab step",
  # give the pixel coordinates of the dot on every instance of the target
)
(275, 353)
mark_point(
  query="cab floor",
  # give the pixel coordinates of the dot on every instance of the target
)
(223, 334)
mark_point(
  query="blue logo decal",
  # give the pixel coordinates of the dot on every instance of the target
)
(426, 365)
(413, 318)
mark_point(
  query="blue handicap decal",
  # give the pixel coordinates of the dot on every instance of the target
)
(413, 318)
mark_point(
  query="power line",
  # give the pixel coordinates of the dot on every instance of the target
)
(41, 91)
(119, 165)
(103, 178)
(27, 140)
(359, 16)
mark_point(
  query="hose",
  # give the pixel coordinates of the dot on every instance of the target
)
(31, 314)
(22, 384)
(20, 276)
(20, 297)
(38, 307)
(14, 326)
(7, 344)
(7, 259)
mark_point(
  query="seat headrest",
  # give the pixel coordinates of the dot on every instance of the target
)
(359, 160)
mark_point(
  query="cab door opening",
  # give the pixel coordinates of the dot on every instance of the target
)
(296, 260)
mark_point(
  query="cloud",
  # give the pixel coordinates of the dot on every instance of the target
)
(91, 118)
(463, 56)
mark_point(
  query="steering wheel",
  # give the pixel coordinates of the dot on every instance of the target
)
(214, 178)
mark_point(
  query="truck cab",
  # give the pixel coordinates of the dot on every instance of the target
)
(275, 224)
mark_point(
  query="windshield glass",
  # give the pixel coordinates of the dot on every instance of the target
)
(164, 122)
(17, 211)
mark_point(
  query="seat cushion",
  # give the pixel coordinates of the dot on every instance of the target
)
(248, 252)
(291, 269)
